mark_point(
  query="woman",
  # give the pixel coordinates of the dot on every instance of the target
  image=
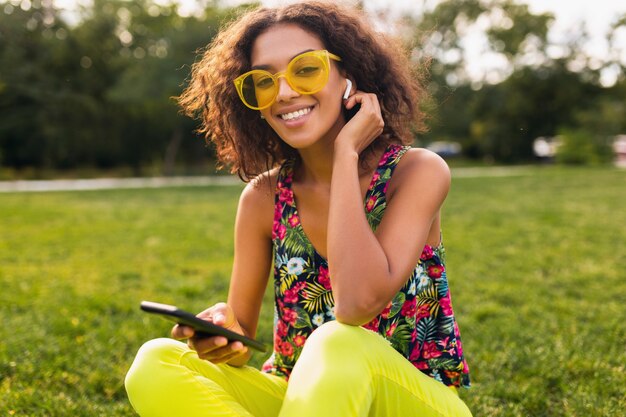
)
(316, 107)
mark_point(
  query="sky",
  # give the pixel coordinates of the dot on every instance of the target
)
(597, 15)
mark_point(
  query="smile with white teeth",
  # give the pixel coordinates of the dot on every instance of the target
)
(296, 114)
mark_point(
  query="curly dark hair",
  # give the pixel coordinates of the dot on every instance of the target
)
(377, 62)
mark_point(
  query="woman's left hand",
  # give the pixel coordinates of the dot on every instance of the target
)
(366, 125)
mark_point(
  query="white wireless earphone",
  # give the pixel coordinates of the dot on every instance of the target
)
(348, 89)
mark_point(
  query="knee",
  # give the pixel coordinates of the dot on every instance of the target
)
(342, 340)
(334, 355)
(147, 367)
(160, 347)
(335, 334)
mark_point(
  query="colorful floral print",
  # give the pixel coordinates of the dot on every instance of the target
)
(419, 322)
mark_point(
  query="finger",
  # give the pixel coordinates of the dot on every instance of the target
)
(231, 349)
(223, 315)
(373, 105)
(219, 318)
(362, 98)
(226, 358)
(376, 104)
(368, 111)
(224, 354)
(373, 100)
(207, 344)
(182, 332)
(354, 99)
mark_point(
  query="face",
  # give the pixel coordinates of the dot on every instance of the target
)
(301, 120)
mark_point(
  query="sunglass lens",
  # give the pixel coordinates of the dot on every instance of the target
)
(248, 91)
(308, 74)
(258, 89)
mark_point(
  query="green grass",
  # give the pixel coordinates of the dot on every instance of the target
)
(536, 264)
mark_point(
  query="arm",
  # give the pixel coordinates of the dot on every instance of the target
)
(251, 265)
(367, 269)
(253, 255)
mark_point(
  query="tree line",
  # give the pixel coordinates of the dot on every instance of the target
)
(96, 90)
(546, 89)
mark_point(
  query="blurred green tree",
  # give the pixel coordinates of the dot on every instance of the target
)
(534, 94)
(99, 93)
(36, 66)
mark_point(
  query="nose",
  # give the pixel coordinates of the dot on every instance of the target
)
(285, 92)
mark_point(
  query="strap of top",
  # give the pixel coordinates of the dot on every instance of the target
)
(285, 176)
(384, 170)
(375, 198)
(376, 195)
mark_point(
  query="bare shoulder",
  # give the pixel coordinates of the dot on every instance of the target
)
(256, 202)
(261, 188)
(421, 168)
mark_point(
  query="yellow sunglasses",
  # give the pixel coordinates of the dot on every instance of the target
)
(307, 73)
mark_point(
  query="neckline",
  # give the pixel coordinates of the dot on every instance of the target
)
(391, 150)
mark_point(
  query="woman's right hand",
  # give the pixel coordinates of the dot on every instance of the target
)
(216, 349)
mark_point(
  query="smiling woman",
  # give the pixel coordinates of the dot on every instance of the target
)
(248, 144)
(316, 107)
(300, 123)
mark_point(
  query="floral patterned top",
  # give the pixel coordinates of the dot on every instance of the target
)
(419, 322)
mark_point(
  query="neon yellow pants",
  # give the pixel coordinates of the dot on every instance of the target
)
(343, 371)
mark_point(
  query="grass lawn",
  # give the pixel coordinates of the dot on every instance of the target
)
(536, 263)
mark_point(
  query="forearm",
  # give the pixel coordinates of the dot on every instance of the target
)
(358, 265)
(252, 259)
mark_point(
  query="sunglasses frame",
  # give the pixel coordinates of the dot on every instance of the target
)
(324, 56)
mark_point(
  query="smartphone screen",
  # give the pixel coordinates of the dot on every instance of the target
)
(202, 328)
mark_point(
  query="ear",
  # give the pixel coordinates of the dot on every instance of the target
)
(347, 77)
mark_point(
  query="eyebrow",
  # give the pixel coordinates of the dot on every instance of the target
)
(266, 67)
